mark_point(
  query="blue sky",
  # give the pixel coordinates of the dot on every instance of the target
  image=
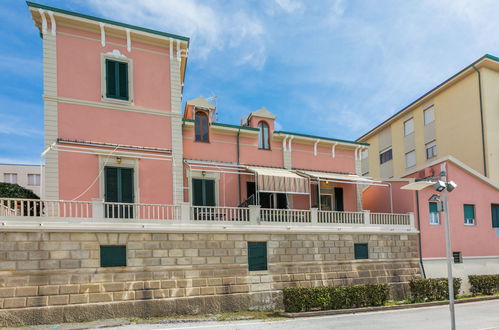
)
(330, 68)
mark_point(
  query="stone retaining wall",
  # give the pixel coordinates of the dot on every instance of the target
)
(40, 271)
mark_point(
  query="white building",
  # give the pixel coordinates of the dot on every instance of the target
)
(27, 176)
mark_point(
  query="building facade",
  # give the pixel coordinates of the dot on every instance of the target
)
(450, 133)
(153, 211)
(457, 118)
(27, 176)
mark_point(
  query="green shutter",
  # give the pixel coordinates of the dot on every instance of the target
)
(111, 184)
(197, 192)
(361, 251)
(209, 192)
(433, 207)
(257, 256)
(112, 255)
(469, 211)
(111, 74)
(123, 80)
(126, 178)
(495, 215)
(338, 197)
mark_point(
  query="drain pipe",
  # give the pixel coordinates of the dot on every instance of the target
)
(481, 121)
(238, 174)
(419, 236)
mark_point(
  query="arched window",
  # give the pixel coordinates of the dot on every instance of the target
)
(201, 126)
(263, 136)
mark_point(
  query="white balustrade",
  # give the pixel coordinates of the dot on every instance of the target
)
(43, 208)
(390, 219)
(341, 217)
(220, 213)
(284, 215)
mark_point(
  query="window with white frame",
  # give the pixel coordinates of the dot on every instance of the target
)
(385, 156)
(431, 150)
(408, 127)
(410, 159)
(33, 179)
(434, 214)
(429, 116)
(10, 178)
(469, 214)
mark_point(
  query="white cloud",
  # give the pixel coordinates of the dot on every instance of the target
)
(290, 6)
(211, 28)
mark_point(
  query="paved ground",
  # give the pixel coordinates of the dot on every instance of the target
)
(480, 315)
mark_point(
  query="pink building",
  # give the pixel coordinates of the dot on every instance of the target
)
(473, 214)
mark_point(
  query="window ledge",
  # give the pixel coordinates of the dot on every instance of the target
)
(117, 101)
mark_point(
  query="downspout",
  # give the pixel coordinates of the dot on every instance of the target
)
(481, 121)
(238, 174)
(419, 236)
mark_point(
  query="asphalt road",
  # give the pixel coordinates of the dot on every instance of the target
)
(480, 315)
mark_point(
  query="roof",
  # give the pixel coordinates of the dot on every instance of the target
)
(201, 102)
(263, 112)
(435, 89)
(103, 20)
(321, 138)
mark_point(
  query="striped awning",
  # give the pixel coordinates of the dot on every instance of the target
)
(279, 180)
(324, 176)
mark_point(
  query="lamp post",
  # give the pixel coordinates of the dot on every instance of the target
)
(445, 188)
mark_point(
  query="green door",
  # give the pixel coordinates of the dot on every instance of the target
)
(119, 188)
(338, 199)
(203, 192)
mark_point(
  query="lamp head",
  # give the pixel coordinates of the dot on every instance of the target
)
(434, 198)
(439, 186)
(451, 185)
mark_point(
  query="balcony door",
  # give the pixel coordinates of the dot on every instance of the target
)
(203, 192)
(119, 188)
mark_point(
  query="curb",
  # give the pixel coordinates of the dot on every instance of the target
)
(383, 308)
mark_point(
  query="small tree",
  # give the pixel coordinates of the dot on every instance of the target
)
(9, 190)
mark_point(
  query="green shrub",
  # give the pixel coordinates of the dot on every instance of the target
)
(9, 190)
(432, 289)
(325, 298)
(484, 284)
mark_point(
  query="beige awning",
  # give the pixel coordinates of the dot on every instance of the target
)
(324, 176)
(279, 180)
(418, 185)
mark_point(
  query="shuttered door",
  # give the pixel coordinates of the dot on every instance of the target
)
(111, 88)
(123, 80)
(111, 184)
(203, 192)
(257, 256)
(495, 215)
(119, 188)
(338, 197)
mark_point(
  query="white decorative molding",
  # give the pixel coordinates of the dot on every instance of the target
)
(102, 34)
(128, 40)
(44, 20)
(116, 54)
(53, 25)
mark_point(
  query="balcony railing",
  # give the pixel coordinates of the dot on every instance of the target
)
(102, 212)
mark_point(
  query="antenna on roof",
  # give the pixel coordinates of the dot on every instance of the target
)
(214, 98)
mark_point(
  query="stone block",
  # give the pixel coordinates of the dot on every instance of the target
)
(152, 284)
(58, 300)
(59, 236)
(70, 264)
(27, 246)
(100, 297)
(78, 298)
(28, 265)
(7, 292)
(83, 237)
(239, 288)
(49, 264)
(7, 265)
(26, 291)
(175, 237)
(60, 255)
(36, 301)
(14, 302)
(17, 255)
(124, 295)
(134, 285)
(89, 288)
(144, 294)
(48, 290)
(113, 286)
(70, 246)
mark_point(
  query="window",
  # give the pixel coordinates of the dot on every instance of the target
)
(119, 188)
(410, 159)
(116, 80)
(385, 156)
(469, 214)
(10, 178)
(429, 116)
(112, 255)
(434, 214)
(257, 256)
(458, 257)
(203, 192)
(361, 251)
(431, 149)
(33, 179)
(409, 126)
(201, 126)
(263, 136)
(495, 215)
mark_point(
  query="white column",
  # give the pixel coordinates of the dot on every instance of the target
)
(367, 217)
(254, 214)
(98, 208)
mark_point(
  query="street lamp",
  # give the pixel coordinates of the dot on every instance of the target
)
(443, 206)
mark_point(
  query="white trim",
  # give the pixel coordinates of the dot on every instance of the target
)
(211, 175)
(315, 146)
(333, 149)
(111, 106)
(128, 40)
(108, 160)
(102, 34)
(53, 25)
(44, 20)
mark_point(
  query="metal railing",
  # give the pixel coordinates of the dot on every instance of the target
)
(284, 215)
(220, 213)
(341, 217)
(390, 219)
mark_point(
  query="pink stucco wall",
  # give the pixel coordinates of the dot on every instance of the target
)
(377, 198)
(303, 157)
